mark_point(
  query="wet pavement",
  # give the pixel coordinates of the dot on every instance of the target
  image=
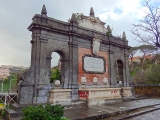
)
(100, 112)
(155, 115)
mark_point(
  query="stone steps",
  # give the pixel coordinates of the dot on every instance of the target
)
(15, 112)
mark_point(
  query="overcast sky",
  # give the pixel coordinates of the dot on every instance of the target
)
(16, 16)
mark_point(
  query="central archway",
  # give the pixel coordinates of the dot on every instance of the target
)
(57, 60)
(55, 73)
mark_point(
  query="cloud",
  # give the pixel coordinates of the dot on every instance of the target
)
(17, 16)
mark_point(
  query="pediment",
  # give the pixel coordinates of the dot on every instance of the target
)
(93, 23)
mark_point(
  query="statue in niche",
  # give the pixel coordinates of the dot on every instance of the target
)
(96, 44)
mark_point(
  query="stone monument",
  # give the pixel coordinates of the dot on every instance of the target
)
(89, 57)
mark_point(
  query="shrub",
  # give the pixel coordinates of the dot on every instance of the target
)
(47, 112)
(153, 75)
(55, 75)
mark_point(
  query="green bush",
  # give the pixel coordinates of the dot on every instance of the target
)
(47, 112)
(153, 74)
(55, 75)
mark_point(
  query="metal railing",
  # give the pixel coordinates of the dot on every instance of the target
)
(7, 98)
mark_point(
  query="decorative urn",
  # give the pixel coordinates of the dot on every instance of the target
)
(57, 83)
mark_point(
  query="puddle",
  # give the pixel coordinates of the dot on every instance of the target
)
(123, 107)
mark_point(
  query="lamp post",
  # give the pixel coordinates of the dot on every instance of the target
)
(10, 82)
(2, 85)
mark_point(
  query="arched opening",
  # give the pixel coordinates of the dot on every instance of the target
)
(55, 73)
(119, 70)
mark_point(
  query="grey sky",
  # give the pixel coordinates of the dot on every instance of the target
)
(16, 16)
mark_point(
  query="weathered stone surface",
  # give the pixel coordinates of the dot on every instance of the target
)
(25, 100)
(43, 99)
(25, 95)
(98, 96)
(59, 95)
(42, 93)
(127, 92)
(26, 92)
(72, 40)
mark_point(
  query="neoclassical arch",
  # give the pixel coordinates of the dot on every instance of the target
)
(71, 41)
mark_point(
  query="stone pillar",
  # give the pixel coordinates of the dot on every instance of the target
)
(65, 73)
(73, 56)
(73, 83)
(112, 69)
(128, 80)
(43, 83)
(27, 86)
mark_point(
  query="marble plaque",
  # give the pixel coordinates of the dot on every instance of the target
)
(93, 64)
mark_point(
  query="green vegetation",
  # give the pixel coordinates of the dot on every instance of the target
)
(148, 74)
(153, 74)
(109, 32)
(47, 112)
(6, 84)
(55, 75)
(147, 70)
(2, 112)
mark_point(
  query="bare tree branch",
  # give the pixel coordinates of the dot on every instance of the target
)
(148, 29)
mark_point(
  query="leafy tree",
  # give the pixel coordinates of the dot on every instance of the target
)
(132, 51)
(55, 75)
(146, 49)
(156, 58)
(148, 29)
(140, 77)
(153, 74)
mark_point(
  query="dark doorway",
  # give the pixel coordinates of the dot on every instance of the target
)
(119, 70)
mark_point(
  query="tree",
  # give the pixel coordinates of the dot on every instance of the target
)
(148, 29)
(132, 51)
(146, 49)
(156, 58)
(153, 74)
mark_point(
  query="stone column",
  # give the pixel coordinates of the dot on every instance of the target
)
(27, 87)
(64, 73)
(112, 69)
(73, 57)
(43, 85)
(73, 76)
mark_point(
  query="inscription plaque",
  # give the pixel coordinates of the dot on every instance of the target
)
(93, 64)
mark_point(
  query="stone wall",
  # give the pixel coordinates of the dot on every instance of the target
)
(147, 90)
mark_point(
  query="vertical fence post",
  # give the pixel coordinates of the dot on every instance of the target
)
(5, 100)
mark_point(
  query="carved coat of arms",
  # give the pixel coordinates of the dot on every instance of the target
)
(96, 44)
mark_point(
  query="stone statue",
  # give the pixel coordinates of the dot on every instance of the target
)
(96, 44)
